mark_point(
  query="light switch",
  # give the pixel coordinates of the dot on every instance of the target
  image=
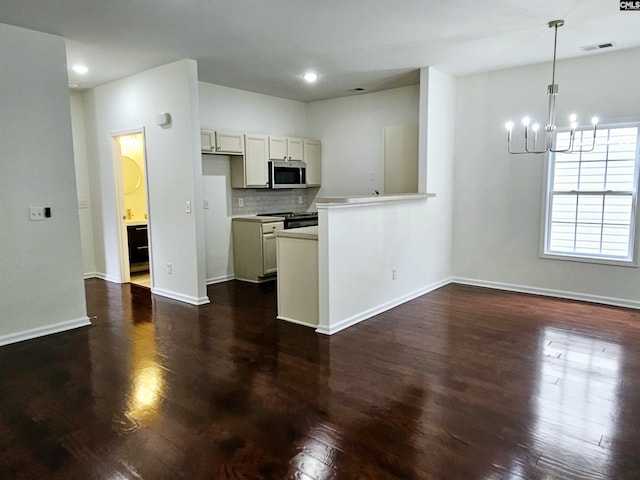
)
(36, 213)
(188, 207)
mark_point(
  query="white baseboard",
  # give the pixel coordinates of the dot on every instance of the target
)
(180, 297)
(220, 279)
(547, 292)
(45, 330)
(107, 278)
(89, 275)
(306, 324)
(348, 322)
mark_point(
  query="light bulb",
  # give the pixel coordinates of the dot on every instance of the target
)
(574, 125)
(573, 117)
(509, 125)
(310, 77)
(525, 121)
(536, 127)
(81, 69)
(594, 120)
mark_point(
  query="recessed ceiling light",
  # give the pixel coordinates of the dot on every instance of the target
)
(310, 77)
(81, 69)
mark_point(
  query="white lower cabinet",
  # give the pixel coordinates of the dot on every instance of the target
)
(254, 248)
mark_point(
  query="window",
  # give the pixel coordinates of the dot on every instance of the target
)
(592, 196)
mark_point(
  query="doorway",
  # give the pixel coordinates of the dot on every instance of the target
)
(132, 195)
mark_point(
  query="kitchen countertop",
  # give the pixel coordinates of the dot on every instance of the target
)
(255, 218)
(364, 199)
(307, 233)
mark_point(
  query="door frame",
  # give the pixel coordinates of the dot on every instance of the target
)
(123, 242)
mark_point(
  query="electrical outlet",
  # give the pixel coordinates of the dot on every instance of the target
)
(394, 274)
(187, 207)
(300, 199)
(241, 202)
(206, 204)
(36, 213)
(372, 176)
(169, 268)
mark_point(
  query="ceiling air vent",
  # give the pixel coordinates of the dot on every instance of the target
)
(598, 46)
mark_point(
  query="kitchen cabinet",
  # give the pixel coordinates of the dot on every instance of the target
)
(251, 169)
(254, 248)
(138, 242)
(286, 148)
(312, 155)
(221, 142)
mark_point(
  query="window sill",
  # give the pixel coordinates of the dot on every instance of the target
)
(584, 259)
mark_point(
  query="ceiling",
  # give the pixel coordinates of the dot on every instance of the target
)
(265, 46)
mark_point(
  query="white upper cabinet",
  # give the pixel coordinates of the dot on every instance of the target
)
(250, 170)
(286, 148)
(295, 149)
(277, 148)
(222, 142)
(312, 156)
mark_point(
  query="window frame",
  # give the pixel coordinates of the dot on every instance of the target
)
(547, 194)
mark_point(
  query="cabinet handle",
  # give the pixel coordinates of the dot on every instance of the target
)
(145, 247)
(141, 228)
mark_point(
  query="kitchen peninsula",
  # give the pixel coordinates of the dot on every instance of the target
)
(368, 254)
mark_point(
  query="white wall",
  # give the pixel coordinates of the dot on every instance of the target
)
(83, 184)
(497, 211)
(359, 246)
(229, 109)
(352, 134)
(41, 282)
(436, 146)
(173, 163)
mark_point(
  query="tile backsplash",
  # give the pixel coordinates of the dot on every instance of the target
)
(256, 201)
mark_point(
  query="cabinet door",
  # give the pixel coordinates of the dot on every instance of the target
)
(277, 148)
(312, 156)
(256, 161)
(207, 141)
(295, 149)
(229, 143)
(269, 259)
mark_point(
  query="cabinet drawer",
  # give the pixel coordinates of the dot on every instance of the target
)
(271, 226)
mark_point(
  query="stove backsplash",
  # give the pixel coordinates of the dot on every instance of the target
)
(256, 201)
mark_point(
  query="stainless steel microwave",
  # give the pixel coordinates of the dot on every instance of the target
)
(287, 174)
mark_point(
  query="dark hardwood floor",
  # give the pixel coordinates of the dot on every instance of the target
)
(462, 383)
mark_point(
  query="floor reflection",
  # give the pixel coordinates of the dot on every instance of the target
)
(576, 404)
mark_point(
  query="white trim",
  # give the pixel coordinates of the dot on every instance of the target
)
(46, 330)
(89, 275)
(180, 297)
(108, 278)
(547, 292)
(220, 279)
(298, 322)
(348, 322)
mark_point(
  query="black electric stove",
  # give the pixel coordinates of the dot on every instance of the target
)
(295, 220)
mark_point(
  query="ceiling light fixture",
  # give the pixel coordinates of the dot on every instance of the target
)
(310, 77)
(81, 69)
(547, 144)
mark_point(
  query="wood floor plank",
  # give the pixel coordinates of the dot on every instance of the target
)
(461, 383)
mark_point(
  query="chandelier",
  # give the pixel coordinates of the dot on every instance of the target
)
(544, 144)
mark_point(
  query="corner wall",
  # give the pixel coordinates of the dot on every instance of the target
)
(173, 158)
(41, 281)
(498, 208)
